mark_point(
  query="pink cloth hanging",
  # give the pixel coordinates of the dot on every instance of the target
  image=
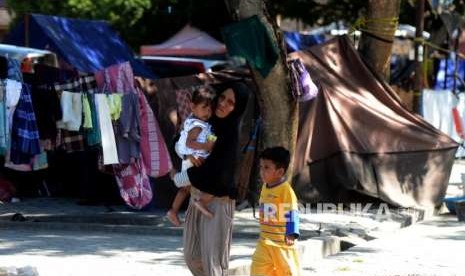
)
(134, 184)
(116, 78)
(155, 155)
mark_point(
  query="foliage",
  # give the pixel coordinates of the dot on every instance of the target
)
(152, 21)
(123, 15)
(318, 12)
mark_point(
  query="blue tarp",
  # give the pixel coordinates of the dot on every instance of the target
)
(444, 81)
(297, 41)
(88, 45)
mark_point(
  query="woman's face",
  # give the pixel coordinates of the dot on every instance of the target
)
(226, 103)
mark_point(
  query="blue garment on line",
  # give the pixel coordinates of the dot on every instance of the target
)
(14, 70)
(24, 132)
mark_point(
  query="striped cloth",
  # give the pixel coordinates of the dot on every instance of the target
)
(24, 133)
(155, 155)
(183, 101)
(14, 70)
(116, 78)
(82, 84)
(181, 179)
(134, 185)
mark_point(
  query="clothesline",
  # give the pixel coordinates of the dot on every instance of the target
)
(104, 110)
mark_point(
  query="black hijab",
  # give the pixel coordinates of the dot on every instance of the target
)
(216, 175)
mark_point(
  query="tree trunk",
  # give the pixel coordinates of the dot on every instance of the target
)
(277, 106)
(378, 34)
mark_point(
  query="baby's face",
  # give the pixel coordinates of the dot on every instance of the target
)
(203, 111)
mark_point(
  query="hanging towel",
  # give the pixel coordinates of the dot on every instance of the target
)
(13, 93)
(71, 107)
(110, 154)
(115, 105)
(155, 155)
(24, 133)
(93, 135)
(250, 39)
(87, 112)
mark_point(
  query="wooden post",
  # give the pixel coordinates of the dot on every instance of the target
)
(419, 23)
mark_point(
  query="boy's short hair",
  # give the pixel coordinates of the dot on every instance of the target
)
(278, 155)
(203, 94)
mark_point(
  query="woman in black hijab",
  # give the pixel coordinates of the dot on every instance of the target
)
(207, 241)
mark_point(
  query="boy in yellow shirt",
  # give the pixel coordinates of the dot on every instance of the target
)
(275, 253)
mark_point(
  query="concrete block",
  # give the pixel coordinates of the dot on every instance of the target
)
(240, 267)
(318, 248)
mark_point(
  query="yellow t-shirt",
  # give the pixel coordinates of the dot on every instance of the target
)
(278, 214)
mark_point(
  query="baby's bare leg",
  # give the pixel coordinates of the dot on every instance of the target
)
(172, 214)
(201, 201)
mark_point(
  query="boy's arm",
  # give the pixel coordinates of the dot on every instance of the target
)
(192, 140)
(292, 218)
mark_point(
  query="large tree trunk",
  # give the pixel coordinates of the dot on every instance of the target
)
(378, 34)
(277, 106)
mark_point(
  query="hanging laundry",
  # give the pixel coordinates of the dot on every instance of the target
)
(437, 108)
(134, 184)
(12, 96)
(24, 132)
(70, 141)
(40, 161)
(93, 135)
(127, 130)
(303, 88)
(87, 112)
(13, 93)
(17, 167)
(47, 108)
(114, 104)
(183, 101)
(155, 155)
(86, 84)
(110, 155)
(14, 70)
(250, 39)
(71, 107)
(46, 74)
(3, 120)
(118, 78)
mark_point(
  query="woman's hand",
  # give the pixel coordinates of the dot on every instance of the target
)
(209, 145)
(197, 162)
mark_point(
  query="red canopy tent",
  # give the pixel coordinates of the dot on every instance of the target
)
(189, 41)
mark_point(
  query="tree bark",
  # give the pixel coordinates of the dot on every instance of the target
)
(277, 106)
(378, 34)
